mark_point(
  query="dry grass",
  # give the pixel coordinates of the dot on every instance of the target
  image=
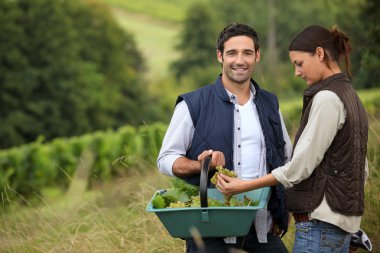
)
(110, 219)
(112, 216)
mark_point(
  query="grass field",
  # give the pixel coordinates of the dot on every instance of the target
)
(112, 218)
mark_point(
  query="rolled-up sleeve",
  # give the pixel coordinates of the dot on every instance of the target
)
(177, 139)
(327, 116)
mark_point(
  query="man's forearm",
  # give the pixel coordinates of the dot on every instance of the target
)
(184, 166)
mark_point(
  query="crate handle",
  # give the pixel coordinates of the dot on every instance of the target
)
(204, 181)
(205, 217)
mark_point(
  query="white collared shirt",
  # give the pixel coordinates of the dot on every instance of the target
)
(327, 116)
(179, 136)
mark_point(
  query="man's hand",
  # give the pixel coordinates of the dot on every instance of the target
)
(184, 167)
(217, 158)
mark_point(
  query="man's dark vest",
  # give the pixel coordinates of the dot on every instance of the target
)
(340, 175)
(212, 114)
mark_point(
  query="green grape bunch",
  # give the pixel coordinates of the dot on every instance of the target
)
(178, 204)
(223, 171)
(184, 195)
(211, 202)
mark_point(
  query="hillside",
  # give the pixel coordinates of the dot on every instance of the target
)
(155, 29)
(171, 11)
(155, 39)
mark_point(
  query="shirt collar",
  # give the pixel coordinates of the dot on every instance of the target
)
(233, 97)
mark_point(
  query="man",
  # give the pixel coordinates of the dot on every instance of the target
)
(240, 126)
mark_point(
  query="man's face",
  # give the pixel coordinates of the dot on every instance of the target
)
(238, 59)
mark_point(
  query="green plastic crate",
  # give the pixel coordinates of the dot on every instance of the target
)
(211, 221)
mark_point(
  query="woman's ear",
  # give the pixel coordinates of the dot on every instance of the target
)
(320, 53)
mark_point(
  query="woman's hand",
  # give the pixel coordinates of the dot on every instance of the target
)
(231, 186)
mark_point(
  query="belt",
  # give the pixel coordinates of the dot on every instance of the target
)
(301, 217)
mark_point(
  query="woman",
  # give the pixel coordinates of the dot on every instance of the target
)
(326, 175)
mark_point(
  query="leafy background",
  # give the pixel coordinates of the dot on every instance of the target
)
(87, 89)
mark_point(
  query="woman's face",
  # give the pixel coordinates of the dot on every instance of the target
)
(310, 67)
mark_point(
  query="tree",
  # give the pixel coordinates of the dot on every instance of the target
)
(276, 23)
(197, 41)
(369, 75)
(66, 69)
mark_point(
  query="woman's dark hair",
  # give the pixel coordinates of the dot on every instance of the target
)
(233, 30)
(335, 43)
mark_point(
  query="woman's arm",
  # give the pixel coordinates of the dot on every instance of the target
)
(326, 117)
(231, 186)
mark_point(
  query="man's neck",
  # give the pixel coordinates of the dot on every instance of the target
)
(240, 90)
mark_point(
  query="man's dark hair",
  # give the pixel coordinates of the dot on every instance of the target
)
(236, 29)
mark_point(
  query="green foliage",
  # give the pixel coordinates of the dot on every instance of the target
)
(189, 189)
(345, 13)
(274, 71)
(179, 195)
(292, 109)
(158, 201)
(155, 39)
(183, 194)
(197, 46)
(175, 195)
(166, 91)
(151, 140)
(369, 69)
(67, 69)
(244, 11)
(173, 198)
(200, 76)
(29, 169)
(371, 101)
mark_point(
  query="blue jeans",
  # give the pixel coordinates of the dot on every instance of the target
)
(320, 237)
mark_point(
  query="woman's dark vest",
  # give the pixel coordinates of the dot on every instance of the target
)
(340, 175)
(212, 114)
